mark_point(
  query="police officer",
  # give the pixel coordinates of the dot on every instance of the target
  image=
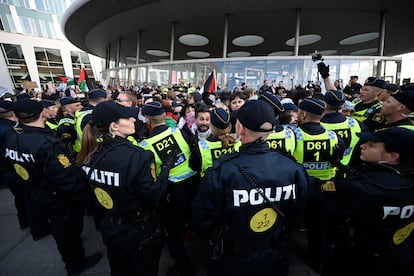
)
(375, 203)
(249, 200)
(367, 108)
(66, 127)
(51, 110)
(8, 121)
(82, 116)
(182, 186)
(315, 148)
(282, 137)
(345, 127)
(126, 187)
(397, 108)
(51, 181)
(218, 143)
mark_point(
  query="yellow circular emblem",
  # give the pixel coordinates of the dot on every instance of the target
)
(21, 171)
(263, 220)
(401, 234)
(103, 198)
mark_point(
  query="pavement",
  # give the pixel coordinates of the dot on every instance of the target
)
(21, 256)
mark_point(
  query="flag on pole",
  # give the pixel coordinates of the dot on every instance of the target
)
(82, 80)
(67, 80)
(210, 85)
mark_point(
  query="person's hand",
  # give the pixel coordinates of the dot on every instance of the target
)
(323, 69)
(337, 155)
(170, 159)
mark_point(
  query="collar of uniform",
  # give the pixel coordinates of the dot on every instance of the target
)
(254, 147)
(333, 118)
(402, 122)
(312, 128)
(158, 129)
(29, 129)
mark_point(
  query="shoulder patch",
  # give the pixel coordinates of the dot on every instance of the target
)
(64, 160)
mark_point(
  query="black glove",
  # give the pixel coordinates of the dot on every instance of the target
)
(323, 69)
(337, 155)
(170, 159)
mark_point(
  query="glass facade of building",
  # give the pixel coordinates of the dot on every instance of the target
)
(253, 71)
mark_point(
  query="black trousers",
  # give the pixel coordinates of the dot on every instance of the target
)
(19, 203)
(67, 226)
(135, 262)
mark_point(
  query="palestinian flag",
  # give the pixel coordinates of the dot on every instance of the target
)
(82, 80)
(67, 80)
(210, 85)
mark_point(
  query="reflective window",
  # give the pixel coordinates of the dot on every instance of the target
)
(48, 57)
(80, 59)
(16, 64)
(28, 25)
(43, 28)
(42, 5)
(52, 29)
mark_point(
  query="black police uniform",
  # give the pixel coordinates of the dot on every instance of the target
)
(375, 203)
(7, 177)
(176, 213)
(254, 231)
(52, 184)
(125, 185)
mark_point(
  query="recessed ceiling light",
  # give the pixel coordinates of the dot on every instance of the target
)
(304, 40)
(248, 40)
(365, 52)
(198, 54)
(131, 58)
(281, 53)
(326, 52)
(193, 40)
(239, 54)
(355, 39)
(157, 53)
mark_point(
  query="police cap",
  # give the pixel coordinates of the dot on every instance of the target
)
(108, 112)
(219, 118)
(27, 108)
(68, 100)
(47, 103)
(153, 109)
(5, 106)
(334, 97)
(97, 93)
(273, 101)
(397, 139)
(406, 97)
(290, 106)
(392, 87)
(373, 81)
(254, 113)
(23, 96)
(312, 105)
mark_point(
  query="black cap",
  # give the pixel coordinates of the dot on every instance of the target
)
(396, 139)
(392, 87)
(23, 96)
(290, 106)
(273, 101)
(47, 103)
(219, 118)
(334, 97)
(253, 114)
(406, 97)
(153, 109)
(177, 103)
(97, 93)
(312, 105)
(68, 100)
(373, 81)
(5, 106)
(107, 112)
(25, 109)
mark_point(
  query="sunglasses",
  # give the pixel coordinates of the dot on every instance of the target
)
(121, 100)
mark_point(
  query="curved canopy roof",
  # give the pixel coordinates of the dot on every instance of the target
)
(255, 27)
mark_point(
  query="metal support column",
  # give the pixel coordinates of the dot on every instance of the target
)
(118, 53)
(138, 46)
(381, 43)
(172, 41)
(226, 33)
(297, 32)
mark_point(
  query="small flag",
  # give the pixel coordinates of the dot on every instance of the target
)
(210, 85)
(82, 80)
